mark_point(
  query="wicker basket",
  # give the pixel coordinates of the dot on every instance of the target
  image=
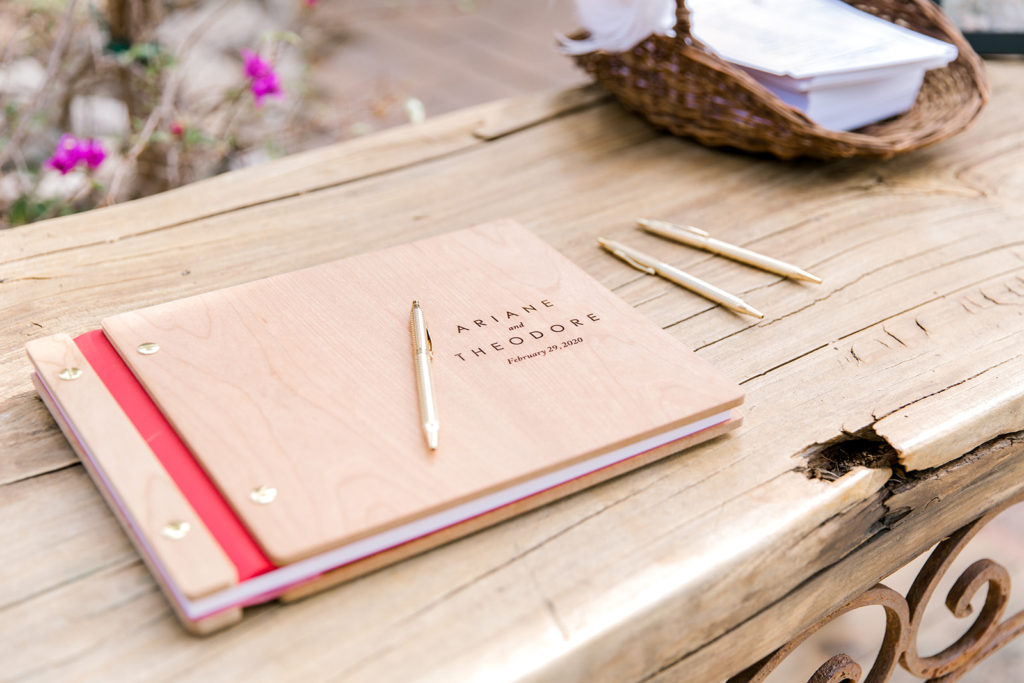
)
(678, 84)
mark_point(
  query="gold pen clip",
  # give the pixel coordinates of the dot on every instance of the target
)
(426, 333)
(663, 227)
(626, 257)
(696, 231)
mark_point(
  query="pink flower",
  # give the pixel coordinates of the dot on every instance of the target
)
(65, 156)
(311, 3)
(177, 130)
(255, 66)
(262, 78)
(92, 153)
(261, 87)
(71, 151)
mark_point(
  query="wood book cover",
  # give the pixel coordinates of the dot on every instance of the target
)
(294, 401)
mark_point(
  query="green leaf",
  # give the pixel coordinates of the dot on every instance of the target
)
(18, 213)
(26, 209)
(195, 136)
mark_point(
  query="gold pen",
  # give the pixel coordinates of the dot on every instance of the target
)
(652, 266)
(422, 354)
(701, 239)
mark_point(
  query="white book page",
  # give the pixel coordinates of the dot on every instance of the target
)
(803, 38)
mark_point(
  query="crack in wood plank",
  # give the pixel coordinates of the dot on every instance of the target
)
(946, 388)
(43, 473)
(887, 265)
(549, 605)
(788, 362)
(938, 297)
(889, 510)
(63, 583)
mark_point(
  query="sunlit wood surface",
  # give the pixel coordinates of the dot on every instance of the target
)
(685, 570)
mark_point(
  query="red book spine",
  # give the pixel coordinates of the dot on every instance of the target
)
(188, 475)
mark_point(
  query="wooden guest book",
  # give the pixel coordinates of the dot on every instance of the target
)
(264, 441)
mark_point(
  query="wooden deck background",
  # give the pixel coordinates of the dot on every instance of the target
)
(445, 53)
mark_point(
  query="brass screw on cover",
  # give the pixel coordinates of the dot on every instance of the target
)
(176, 530)
(70, 373)
(263, 494)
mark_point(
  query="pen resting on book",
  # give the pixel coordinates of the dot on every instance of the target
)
(421, 356)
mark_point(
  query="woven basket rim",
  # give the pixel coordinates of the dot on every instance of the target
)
(878, 142)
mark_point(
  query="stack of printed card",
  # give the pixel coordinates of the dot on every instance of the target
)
(842, 67)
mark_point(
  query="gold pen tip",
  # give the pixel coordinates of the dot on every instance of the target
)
(652, 225)
(656, 227)
(744, 307)
(415, 303)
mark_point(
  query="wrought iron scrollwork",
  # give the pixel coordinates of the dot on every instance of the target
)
(903, 618)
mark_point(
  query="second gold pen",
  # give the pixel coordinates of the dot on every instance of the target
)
(652, 266)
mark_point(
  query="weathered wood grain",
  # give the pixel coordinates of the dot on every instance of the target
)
(934, 430)
(641, 572)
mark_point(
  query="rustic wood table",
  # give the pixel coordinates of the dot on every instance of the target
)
(882, 413)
